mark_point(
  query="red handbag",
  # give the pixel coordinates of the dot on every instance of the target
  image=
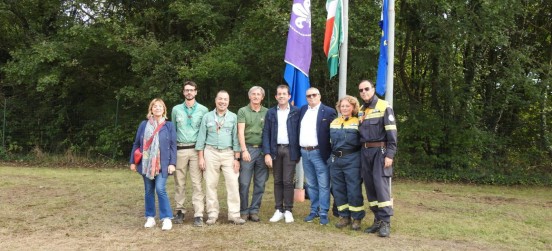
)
(137, 156)
(138, 153)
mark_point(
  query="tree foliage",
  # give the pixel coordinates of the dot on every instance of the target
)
(472, 78)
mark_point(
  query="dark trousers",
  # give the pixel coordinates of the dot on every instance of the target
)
(376, 182)
(284, 173)
(347, 185)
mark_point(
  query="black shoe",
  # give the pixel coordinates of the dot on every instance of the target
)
(343, 222)
(179, 218)
(374, 228)
(385, 229)
(356, 225)
(198, 222)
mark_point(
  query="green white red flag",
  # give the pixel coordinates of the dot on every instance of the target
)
(333, 36)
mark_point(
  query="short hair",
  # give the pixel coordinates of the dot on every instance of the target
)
(256, 88)
(353, 101)
(313, 88)
(369, 82)
(221, 91)
(190, 83)
(151, 106)
(283, 87)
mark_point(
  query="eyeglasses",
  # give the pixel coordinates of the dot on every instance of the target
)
(189, 90)
(312, 95)
(366, 89)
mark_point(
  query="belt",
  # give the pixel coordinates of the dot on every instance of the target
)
(309, 148)
(185, 147)
(219, 150)
(254, 146)
(342, 153)
(374, 144)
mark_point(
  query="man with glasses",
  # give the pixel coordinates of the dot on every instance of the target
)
(187, 118)
(378, 137)
(251, 119)
(314, 139)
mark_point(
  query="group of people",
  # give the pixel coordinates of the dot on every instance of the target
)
(338, 154)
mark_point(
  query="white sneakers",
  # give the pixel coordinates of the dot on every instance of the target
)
(288, 216)
(167, 224)
(150, 222)
(277, 216)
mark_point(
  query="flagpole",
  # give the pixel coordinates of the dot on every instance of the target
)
(343, 51)
(390, 53)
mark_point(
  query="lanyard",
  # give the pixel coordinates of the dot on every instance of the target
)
(221, 122)
(189, 113)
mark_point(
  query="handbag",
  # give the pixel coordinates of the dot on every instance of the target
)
(137, 153)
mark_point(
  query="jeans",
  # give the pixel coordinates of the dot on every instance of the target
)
(151, 186)
(318, 181)
(256, 168)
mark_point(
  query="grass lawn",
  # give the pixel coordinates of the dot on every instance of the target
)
(84, 208)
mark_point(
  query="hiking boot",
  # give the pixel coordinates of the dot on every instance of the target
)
(198, 222)
(385, 229)
(343, 222)
(150, 222)
(254, 218)
(244, 216)
(211, 221)
(374, 228)
(310, 217)
(167, 224)
(356, 225)
(238, 221)
(179, 218)
(324, 220)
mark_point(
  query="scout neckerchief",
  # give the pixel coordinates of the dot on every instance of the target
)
(219, 123)
(189, 113)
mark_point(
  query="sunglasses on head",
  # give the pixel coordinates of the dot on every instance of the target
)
(312, 95)
(366, 89)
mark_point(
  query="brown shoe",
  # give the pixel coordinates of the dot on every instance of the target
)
(343, 222)
(254, 218)
(245, 217)
(356, 225)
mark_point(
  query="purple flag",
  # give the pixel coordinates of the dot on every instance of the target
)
(298, 50)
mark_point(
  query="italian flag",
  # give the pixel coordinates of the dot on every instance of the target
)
(333, 35)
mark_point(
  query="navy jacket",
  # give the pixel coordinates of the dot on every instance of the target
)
(167, 146)
(325, 117)
(270, 133)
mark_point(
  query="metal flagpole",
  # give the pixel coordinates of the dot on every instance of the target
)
(343, 51)
(390, 63)
(390, 52)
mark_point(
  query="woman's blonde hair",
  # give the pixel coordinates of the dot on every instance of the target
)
(353, 101)
(151, 106)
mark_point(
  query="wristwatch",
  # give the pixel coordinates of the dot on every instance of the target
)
(238, 159)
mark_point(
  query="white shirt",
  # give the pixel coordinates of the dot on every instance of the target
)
(308, 127)
(282, 136)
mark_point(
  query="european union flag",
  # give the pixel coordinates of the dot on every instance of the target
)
(383, 60)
